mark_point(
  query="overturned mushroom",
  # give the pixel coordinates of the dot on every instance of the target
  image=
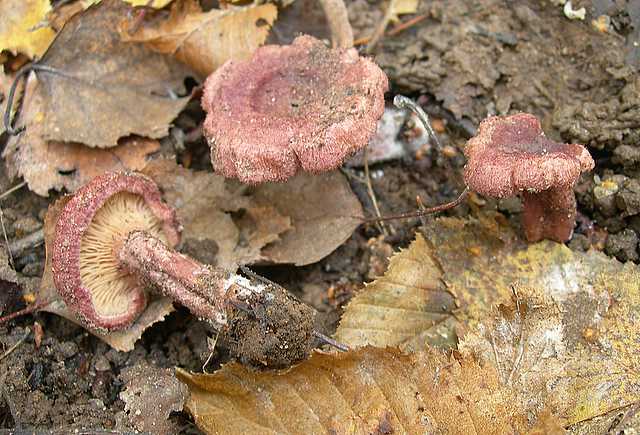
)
(510, 155)
(114, 241)
(300, 106)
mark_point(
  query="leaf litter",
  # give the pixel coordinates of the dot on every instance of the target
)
(47, 165)
(97, 88)
(205, 40)
(20, 30)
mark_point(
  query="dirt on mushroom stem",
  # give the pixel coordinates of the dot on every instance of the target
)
(260, 323)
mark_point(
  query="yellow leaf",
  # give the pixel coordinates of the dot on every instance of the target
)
(157, 4)
(408, 307)
(362, 392)
(205, 40)
(403, 7)
(20, 30)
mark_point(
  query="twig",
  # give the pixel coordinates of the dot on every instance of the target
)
(6, 239)
(331, 342)
(372, 194)
(426, 211)
(379, 32)
(338, 20)
(12, 189)
(407, 24)
(15, 346)
(34, 239)
(30, 309)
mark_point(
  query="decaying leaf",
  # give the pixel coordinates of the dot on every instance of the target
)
(5, 85)
(58, 165)
(205, 204)
(98, 88)
(120, 340)
(408, 306)
(570, 342)
(20, 29)
(324, 213)
(300, 221)
(205, 40)
(150, 395)
(402, 7)
(360, 392)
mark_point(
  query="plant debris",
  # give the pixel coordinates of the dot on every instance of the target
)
(47, 165)
(97, 88)
(366, 391)
(19, 27)
(205, 40)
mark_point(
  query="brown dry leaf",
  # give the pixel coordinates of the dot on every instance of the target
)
(205, 203)
(206, 40)
(5, 85)
(120, 340)
(577, 350)
(150, 395)
(99, 88)
(360, 392)
(407, 307)
(324, 213)
(20, 29)
(300, 221)
(57, 165)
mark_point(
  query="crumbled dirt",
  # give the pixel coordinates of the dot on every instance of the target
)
(466, 60)
(269, 328)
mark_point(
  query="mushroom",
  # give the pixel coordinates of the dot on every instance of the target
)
(510, 155)
(114, 241)
(299, 106)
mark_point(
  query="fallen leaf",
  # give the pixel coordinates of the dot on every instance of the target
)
(206, 40)
(58, 165)
(157, 4)
(300, 221)
(124, 340)
(402, 7)
(360, 392)
(19, 27)
(571, 343)
(205, 204)
(97, 88)
(409, 306)
(324, 212)
(150, 394)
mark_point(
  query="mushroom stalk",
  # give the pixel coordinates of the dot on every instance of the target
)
(550, 214)
(205, 290)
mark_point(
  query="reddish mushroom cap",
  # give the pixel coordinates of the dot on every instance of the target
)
(89, 230)
(511, 154)
(290, 107)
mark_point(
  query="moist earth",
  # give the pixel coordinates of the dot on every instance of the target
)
(464, 61)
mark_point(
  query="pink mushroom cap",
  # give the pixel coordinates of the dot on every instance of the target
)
(299, 106)
(510, 155)
(99, 214)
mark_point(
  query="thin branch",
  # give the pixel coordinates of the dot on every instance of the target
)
(426, 211)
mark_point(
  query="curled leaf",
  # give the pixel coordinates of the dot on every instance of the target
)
(206, 40)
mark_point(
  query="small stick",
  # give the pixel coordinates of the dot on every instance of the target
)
(338, 19)
(426, 211)
(12, 189)
(30, 309)
(371, 192)
(331, 342)
(402, 102)
(407, 24)
(15, 346)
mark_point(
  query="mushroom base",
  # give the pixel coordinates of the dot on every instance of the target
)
(550, 214)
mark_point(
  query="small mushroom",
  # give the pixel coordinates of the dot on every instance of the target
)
(510, 155)
(114, 242)
(299, 106)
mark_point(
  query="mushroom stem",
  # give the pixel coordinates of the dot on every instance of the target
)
(550, 214)
(338, 19)
(198, 287)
